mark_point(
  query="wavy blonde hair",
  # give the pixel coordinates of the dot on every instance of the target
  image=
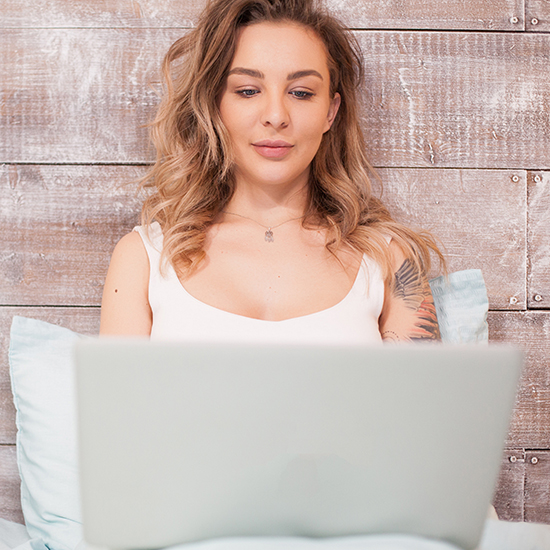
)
(193, 177)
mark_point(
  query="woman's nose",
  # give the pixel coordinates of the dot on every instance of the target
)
(275, 112)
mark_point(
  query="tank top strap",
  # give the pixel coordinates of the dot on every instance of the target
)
(152, 240)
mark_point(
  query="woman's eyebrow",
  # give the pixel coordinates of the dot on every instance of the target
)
(258, 74)
(301, 74)
(247, 72)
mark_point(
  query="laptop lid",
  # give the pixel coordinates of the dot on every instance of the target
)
(182, 442)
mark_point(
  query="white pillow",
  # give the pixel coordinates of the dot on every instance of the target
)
(41, 372)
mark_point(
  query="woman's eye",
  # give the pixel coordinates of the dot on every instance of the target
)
(247, 92)
(301, 94)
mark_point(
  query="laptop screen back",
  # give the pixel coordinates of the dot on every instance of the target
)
(182, 442)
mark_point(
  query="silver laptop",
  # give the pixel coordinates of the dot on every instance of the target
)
(184, 442)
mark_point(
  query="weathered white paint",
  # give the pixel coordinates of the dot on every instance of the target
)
(431, 99)
(447, 14)
(10, 505)
(60, 225)
(457, 100)
(537, 15)
(454, 205)
(86, 98)
(539, 240)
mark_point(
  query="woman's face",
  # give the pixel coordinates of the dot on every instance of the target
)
(276, 103)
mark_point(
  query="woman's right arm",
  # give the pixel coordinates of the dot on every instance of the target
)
(125, 309)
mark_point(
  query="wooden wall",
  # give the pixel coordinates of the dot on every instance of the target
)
(455, 113)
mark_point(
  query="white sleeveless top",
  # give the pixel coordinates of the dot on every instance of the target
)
(177, 315)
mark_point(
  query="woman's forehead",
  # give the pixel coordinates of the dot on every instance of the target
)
(280, 47)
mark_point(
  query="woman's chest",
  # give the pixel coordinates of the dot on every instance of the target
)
(272, 282)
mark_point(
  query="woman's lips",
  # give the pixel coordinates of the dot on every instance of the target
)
(272, 149)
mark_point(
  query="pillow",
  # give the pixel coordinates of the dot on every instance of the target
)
(461, 304)
(40, 356)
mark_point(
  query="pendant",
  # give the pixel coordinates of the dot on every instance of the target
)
(269, 235)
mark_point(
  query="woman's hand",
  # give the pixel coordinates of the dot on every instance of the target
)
(125, 309)
(408, 313)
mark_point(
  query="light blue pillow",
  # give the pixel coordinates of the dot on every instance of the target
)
(461, 304)
(40, 356)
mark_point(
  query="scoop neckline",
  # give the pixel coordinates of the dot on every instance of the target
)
(362, 265)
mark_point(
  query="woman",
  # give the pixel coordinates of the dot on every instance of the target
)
(262, 224)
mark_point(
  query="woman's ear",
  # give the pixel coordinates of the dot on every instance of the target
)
(333, 110)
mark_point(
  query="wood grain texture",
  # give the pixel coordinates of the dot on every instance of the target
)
(537, 486)
(59, 226)
(509, 495)
(538, 222)
(10, 499)
(81, 320)
(530, 332)
(79, 95)
(454, 206)
(432, 99)
(537, 15)
(457, 100)
(445, 14)
(408, 14)
(100, 13)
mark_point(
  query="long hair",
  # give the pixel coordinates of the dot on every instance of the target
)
(193, 177)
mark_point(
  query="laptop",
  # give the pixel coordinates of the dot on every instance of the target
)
(186, 442)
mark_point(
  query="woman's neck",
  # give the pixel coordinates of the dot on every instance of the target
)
(268, 204)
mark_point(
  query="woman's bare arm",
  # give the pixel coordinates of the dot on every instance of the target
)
(125, 309)
(409, 312)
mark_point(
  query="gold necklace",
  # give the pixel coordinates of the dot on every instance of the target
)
(269, 229)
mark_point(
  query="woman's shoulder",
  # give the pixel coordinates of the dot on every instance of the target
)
(130, 251)
(125, 308)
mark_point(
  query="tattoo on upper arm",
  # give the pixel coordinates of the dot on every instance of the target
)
(411, 287)
(408, 285)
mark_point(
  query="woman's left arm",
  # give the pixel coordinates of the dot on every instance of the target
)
(408, 313)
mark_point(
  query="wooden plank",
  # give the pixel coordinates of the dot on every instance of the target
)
(529, 331)
(538, 222)
(509, 495)
(59, 226)
(82, 320)
(10, 498)
(447, 14)
(85, 99)
(457, 100)
(444, 14)
(432, 99)
(478, 215)
(537, 15)
(537, 486)
(100, 13)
